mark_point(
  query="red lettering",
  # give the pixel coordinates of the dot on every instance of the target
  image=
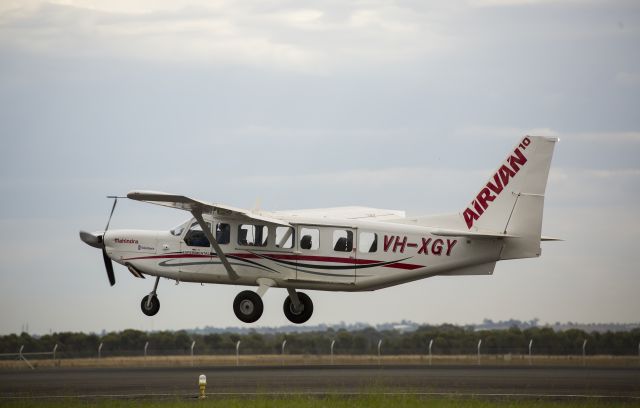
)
(436, 248)
(423, 248)
(505, 173)
(477, 207)
(484, 196)
(450, 245)
(497, 187)
(469, 216)
(525, 142)
(126, 241)
(494, 187)
(387, 242)
(402, 244)
(516, 160)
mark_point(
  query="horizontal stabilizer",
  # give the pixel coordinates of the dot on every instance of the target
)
(470, 234)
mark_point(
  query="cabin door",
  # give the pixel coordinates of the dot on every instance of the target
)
(326, 254)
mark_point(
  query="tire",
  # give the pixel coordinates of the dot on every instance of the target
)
(301, 316)
(248, 306)
(153, 308)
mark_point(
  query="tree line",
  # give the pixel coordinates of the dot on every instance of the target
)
(446, 339)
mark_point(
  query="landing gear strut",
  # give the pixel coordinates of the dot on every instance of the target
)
(248, 306)
(298, 307)
(150, 303)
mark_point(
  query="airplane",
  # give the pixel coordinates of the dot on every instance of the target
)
(335, 249)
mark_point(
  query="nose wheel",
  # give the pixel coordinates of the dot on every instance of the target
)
(248, 306)
(150, 304)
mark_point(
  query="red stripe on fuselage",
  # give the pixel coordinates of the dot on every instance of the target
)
(170, 256)
(292, 257)
(287, 257)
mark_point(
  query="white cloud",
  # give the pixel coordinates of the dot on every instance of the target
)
(205, 36)
(304, 19)
(280, 36)
(508, 3)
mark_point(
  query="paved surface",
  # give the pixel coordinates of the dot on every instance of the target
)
(466, 380)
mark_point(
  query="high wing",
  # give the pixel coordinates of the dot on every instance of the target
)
(544, 238)
(197, 208)
(190, 204)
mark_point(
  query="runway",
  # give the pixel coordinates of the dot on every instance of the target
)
(523, 381)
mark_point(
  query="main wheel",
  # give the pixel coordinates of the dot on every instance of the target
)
(152, 308)
(248, 306)
(298, 316)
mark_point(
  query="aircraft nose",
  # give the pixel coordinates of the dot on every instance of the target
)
(91, 239)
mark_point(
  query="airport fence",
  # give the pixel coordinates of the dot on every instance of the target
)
(432, 340)
(518, 352)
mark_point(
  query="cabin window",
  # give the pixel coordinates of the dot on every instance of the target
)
(195, 236)
(177, 231)
(342, 240)
(309, 239)
(285, 237)
(223, 233)
(253, 235)
(368, 242)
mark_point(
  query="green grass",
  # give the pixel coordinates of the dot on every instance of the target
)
(372, 401)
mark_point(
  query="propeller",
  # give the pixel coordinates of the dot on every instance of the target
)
(97, 241)
(108, 264)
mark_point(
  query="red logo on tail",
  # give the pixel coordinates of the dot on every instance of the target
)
(494, 187)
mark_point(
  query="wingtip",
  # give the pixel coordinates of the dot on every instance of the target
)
(543, 238)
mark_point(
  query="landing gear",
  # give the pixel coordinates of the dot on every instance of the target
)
(248, 306)
(298, 307)
(150, 303)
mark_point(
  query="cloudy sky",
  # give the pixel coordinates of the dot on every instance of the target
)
(407, 105)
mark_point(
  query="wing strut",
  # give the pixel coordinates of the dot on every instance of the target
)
(207, 231)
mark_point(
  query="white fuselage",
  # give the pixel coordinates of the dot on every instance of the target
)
(373, 254)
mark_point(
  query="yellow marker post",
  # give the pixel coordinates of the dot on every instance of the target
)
(202, 382)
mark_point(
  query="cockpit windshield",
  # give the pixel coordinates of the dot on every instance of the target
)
(177, 231)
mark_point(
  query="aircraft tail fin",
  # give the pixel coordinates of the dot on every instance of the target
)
(512, 201)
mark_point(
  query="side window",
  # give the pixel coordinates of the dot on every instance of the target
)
(342, 240)
(195, 236)
(309, 238)
(223, 233)
(285, 237)
(177, 231)
(252, 235)
(368, 242)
